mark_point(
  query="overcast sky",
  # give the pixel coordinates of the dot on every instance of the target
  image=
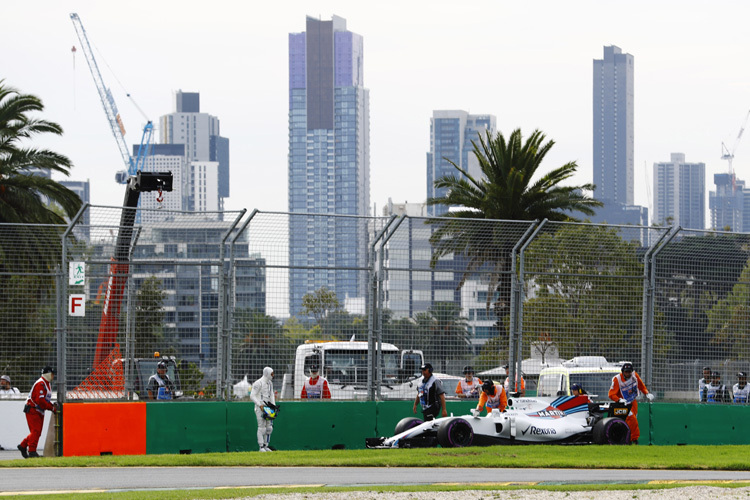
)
(528, 63)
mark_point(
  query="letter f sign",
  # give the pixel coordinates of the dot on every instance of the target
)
(77, 305)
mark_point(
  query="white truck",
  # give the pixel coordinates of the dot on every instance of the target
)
(344, 364)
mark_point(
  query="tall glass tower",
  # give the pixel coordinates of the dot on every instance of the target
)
(329, 161)
(452, 134)
(613, 127)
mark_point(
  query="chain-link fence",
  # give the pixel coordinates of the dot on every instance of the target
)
(366, 301)
(30, 257)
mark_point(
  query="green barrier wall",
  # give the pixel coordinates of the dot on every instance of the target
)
(200, 427)
(186, 427)
(320, 425)
(694, 423)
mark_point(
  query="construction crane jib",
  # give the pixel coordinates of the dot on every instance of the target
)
(110, 109)
(726, 153)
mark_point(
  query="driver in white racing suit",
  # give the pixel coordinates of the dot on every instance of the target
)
(262, 394)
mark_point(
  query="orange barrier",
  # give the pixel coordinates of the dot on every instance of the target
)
(104, 429)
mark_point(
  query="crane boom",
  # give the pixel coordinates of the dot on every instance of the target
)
(728, 154)
(110, 109)
(108, 102)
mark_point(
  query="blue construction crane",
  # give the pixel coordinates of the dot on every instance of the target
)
(113, 116)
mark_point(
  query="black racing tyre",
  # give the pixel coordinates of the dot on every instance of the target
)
(611, 430)
(407, 423)
(455, 433)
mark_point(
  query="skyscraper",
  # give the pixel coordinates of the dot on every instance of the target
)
(329, 160)
(200, 134)
(451, 136)
(613, 127)
(679, 193)
(727, 203)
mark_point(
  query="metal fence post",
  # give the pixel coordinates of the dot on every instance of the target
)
(62, 307)
(374, 320)
(649, 284)
(516, 346)
(231, 302)
(222, 372)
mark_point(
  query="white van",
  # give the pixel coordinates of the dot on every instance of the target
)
(593, 373)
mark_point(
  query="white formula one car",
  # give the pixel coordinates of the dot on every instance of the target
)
(565, 419)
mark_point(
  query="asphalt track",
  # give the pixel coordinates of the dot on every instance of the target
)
(55, 479)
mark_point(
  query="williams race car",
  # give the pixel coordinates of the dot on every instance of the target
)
(565, 419)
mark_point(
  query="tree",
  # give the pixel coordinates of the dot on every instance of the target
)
(445, 331)
(729, 319)
(693, 274)
(149, 318)
(577, 276)
(23, 195)
(320, 303)
(258, 341)
(506, 191)
(29, 255)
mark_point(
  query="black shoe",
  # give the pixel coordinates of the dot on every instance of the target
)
(33, 454)
(22, 449)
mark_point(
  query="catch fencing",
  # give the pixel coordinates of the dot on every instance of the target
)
(366, 300)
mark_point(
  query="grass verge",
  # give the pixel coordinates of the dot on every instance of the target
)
(728, 457)
(229, 493)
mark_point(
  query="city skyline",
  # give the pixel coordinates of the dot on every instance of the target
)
(534, 73)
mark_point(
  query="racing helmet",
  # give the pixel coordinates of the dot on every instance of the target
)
(627, 367)
(468, 369)
(488, 385)
(268, 412)
(576, 387)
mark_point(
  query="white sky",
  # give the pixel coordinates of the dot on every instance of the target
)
(528, 63)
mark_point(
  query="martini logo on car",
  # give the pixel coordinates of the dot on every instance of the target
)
(549, 413)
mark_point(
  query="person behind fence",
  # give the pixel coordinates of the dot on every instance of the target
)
(265, 407)
(39, 401)
(315, 387)
(741, 389)
(6, 389)
(578, 390)
(625, 389)
(493, 396)
(160, 386)
(469, 386)
(716, 392)
(702, 383)
(430, 395)
(522, 391)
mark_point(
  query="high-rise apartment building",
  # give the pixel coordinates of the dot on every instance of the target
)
(613, 127)
(199, 132)
(727, 203)
(679, 193)
(165, 158)
(451, 136)
(329, 161)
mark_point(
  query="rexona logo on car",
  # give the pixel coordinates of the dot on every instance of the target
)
(534, 430)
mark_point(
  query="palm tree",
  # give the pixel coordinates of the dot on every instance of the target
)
(26, 198)
(23, 195)
(506, 191)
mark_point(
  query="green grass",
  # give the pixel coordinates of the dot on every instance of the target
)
(600, 457)
(251, 492)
